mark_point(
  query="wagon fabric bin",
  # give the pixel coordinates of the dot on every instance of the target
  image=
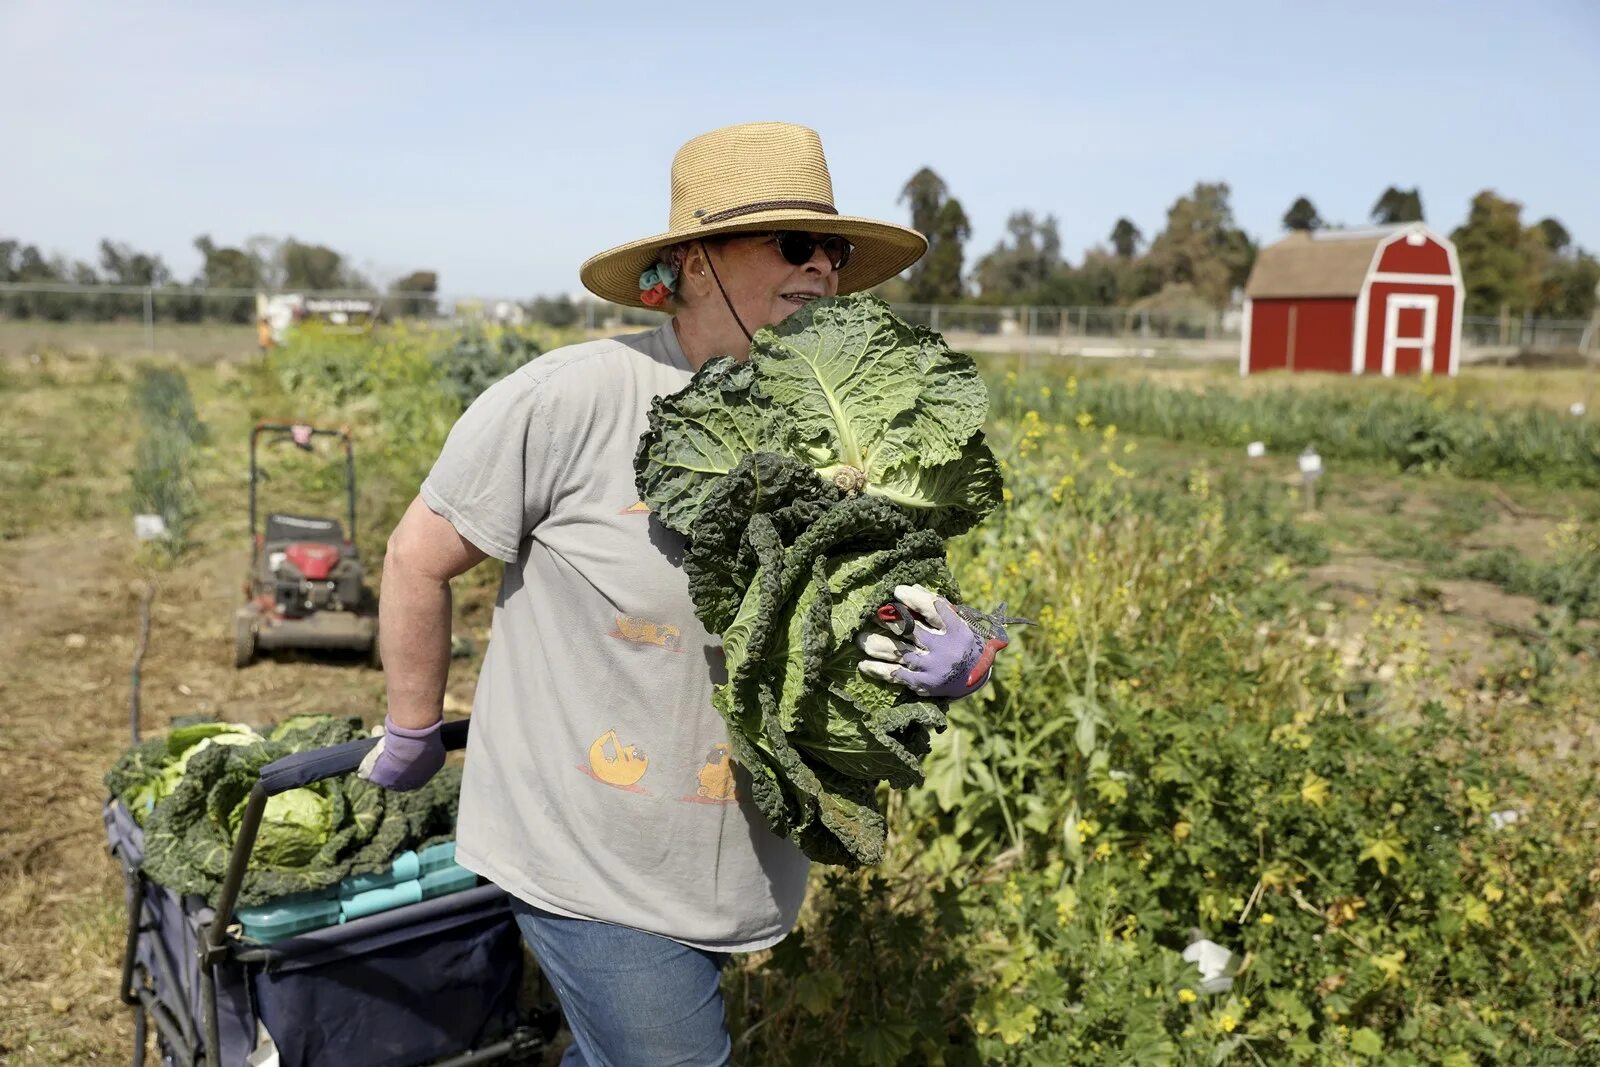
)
(435, 981)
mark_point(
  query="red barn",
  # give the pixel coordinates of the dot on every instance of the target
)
(1385, 300)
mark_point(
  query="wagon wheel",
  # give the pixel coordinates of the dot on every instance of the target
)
(244, 641)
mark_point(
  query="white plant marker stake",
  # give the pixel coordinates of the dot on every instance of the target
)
(1310, 471)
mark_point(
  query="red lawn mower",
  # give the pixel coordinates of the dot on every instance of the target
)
(307, 586)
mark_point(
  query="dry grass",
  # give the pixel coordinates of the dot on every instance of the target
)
(190, 342)
(69, 589)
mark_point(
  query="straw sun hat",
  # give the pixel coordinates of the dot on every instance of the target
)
(755, 178)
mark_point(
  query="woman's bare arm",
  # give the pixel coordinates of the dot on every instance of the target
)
(424, 553)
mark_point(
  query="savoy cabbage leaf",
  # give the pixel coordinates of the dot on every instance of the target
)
(873, 404)
(809, 481)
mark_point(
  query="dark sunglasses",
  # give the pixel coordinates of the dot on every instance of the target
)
(797, 247)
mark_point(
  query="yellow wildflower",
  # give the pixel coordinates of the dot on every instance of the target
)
(1314, 789)
(1187, 996)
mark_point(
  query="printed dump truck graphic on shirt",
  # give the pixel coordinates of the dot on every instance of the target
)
(633, 629)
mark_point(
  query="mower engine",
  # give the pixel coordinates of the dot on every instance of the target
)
(310, 576)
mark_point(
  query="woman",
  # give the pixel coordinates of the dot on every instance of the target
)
(597, 788)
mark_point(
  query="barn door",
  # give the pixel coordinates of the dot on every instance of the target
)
(1409, 324)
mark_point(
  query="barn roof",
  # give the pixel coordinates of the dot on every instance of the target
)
(1320, 263)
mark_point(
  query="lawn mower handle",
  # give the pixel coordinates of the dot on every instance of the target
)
(343, 433)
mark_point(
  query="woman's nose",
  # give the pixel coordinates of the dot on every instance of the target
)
(820, 262)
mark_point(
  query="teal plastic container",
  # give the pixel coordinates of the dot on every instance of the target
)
(447, 880)
(437, 857)
(405, 868)
(375, 900)
(290, 915)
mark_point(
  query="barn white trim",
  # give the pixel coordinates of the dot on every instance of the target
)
(1358, 343)
(1244, 339)
(1413, 279)
(1428, 304)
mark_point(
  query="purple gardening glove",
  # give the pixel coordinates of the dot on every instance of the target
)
(933, 651)
(403, 759)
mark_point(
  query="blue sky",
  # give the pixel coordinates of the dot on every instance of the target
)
(501, 144)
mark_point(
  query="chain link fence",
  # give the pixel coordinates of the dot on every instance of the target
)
(210, 323)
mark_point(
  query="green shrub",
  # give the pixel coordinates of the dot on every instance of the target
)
(1172, 748)
(477, 359)
(162, 475)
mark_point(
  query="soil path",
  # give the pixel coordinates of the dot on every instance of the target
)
(70, 605)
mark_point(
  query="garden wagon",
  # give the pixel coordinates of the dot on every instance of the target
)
(435, 982)
(307, 585)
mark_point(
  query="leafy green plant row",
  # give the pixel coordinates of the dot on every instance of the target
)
(1412, 430)
(170, 430)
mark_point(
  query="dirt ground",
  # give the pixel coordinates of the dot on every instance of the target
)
(69, 604)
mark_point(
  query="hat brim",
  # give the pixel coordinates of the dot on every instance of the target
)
(882, 250)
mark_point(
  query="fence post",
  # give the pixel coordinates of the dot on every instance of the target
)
(933, 318)
(149, 319)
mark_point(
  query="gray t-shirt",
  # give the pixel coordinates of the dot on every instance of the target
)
(598, 782)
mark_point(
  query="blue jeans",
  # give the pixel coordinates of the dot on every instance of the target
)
(631, 999)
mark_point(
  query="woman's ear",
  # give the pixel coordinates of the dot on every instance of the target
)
(693, 272)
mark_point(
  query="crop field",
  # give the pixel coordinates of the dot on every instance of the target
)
(1355, 744)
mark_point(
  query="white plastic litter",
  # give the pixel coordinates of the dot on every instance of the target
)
(1213, 961)
(1502, 819)
(149, 527)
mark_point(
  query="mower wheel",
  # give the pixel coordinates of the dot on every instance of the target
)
(244, 641)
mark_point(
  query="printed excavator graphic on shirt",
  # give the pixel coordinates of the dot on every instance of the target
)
(639, 631)
(641, 508)
(715, 779)
(616, 764)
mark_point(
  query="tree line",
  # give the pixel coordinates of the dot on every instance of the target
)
(259, 263)
(1202, 257)
(1197, 263)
